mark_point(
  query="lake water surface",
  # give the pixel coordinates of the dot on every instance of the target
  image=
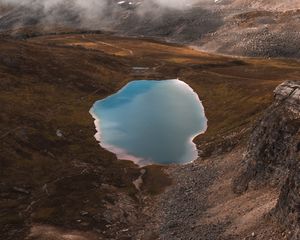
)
(150, 121)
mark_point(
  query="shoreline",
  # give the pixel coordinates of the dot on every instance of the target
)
(123, 155)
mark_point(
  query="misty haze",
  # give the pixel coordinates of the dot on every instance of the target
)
(96, 143)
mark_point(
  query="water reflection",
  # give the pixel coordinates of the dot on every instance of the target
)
(151, 122)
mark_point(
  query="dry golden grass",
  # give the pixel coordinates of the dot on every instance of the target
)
(50, 83)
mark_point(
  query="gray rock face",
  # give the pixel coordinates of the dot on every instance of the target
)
(272, 148)
(257, 33)
(290, 92)
(287, 209)
(273, 154)
(288, 206)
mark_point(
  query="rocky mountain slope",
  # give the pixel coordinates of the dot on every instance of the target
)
(57, 182)
(268, 5)
(248, 28)
(257, 33)
(273, 155)
(265, 201)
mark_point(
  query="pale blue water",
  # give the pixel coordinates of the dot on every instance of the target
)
(151, 122)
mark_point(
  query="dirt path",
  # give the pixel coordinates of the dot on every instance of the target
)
(130, 52)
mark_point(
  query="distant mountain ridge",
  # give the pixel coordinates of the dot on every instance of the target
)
(248, 28)
(270, 5)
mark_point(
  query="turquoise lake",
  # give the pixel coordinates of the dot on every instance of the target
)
(151, 121)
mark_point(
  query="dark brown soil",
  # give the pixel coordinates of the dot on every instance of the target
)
(49, 83)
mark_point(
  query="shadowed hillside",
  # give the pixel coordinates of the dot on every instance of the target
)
(247, 28)
(58, 57)
(55, 178)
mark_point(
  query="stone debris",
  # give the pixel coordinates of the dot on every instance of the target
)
(273, 155)
(59, 133)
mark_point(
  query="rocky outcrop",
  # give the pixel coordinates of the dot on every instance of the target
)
(273, 146)
(288, 206)
(287, 209)
(273, 154)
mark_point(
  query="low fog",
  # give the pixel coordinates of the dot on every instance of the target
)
(93, 14)
(91, 5)
(86, 13)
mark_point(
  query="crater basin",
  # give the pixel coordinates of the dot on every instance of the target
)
(151, 121)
